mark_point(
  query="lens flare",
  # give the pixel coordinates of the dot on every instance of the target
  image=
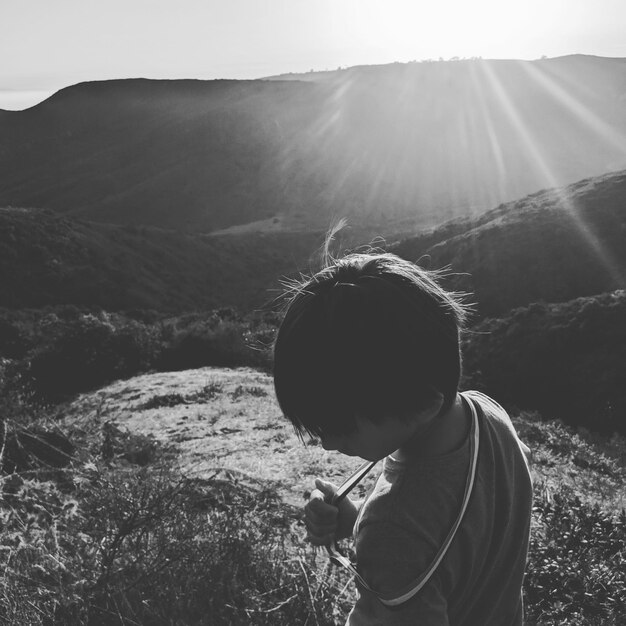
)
(530, 144)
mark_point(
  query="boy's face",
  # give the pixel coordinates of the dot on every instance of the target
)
(374, 441)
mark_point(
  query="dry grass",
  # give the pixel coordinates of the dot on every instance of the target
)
(183, 506)
(237, 427)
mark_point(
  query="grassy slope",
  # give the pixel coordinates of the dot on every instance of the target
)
(224, 418)
(107, 542)
(185, 154)
(551, 246)
(567, 360)
(46, 259)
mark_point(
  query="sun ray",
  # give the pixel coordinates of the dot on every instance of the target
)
(609, 134)
(492, 135)
(530, 144)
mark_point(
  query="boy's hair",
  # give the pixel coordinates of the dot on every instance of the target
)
(370, 335)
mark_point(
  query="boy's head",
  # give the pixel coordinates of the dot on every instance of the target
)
(369, 336)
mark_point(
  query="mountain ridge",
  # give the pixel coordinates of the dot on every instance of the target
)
(425, 141)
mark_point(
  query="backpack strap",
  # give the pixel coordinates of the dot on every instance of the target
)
(414, 587)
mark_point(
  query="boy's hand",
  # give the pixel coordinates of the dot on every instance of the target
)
(326, 522)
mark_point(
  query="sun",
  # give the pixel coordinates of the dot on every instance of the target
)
(407, 29)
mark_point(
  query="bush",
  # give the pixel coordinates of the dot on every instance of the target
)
(63, 351)
(13, 344)
(115, 540)
(219, 338)
(575, 575)
(566, 360)
(139, 546)
(89, 352)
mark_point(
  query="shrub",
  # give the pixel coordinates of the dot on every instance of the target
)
(139, 546)
(106, 542)
(116, 540)
(575, 574)
(64, 350)
(203, 396)
(13, 343)
(89, 352)
(565, 360)
(218, 338)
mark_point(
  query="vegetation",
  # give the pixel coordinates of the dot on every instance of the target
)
(64, 350)
(113, 544)
(96, 527)
(552, 246)
(567, 360)
(575, 574)
(115, 537)
(49, 260)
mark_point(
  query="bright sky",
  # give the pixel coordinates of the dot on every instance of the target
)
(48, 44)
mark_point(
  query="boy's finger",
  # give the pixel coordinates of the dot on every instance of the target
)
(316, 494)
(320, 509)
(318, 497)
(318, 504)
(326, 488)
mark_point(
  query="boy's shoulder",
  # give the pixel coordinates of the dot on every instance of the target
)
(498, 418)
(492, 411)
(486, 403)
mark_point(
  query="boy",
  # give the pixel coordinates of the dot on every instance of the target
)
(367, 360)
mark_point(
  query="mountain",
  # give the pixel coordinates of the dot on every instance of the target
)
(551, 246)
(425, 141)
(47, 259)
(180, 154)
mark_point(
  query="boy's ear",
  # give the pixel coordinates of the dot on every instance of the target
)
(432, 407)
(437, 401)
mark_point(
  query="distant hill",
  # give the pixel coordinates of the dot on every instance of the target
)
(46, 259)
(429, 141)
(551, 246)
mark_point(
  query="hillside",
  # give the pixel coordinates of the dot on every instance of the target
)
(221, 429)
(229, 418)
(566, 360)
(429, 141)
(153, 499)
(552, 246)
(46, 259)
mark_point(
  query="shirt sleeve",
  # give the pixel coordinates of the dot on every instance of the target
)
(389, 559)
